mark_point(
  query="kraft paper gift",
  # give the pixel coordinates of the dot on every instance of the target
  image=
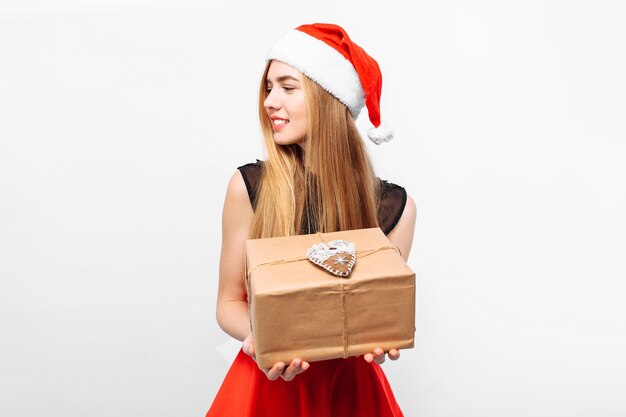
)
(300, 310)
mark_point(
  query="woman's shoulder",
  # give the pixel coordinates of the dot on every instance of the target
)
(251, 174)
(391, 204)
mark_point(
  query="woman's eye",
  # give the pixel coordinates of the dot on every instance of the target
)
(285, 89)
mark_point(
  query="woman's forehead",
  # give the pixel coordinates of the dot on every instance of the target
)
(280, 69)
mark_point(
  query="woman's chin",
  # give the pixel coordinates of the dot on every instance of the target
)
(288, 141)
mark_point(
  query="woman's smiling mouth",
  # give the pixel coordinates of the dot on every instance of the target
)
(278, 124)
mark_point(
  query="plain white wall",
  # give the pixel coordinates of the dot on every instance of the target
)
(122, 121)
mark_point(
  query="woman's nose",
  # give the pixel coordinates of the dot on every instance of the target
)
(270, 101)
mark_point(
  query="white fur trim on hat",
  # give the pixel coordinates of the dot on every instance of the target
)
(380, 134)
(324, 65)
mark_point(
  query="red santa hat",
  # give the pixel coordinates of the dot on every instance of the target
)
(326, 54)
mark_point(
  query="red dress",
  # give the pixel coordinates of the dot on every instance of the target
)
(331, 388)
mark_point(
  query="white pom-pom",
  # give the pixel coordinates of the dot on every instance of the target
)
(380, 134)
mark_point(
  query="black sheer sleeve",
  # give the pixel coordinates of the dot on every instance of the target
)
(391, 205)
(251, 174)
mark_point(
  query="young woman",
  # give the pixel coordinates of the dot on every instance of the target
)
(317, 177)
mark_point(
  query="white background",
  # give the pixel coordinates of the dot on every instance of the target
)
(122, 121)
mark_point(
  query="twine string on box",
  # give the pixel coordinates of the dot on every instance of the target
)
(344, 321)
(362, 254)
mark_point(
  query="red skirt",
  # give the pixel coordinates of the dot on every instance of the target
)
(331, 388)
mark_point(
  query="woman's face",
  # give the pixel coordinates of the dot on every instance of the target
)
(285, 103)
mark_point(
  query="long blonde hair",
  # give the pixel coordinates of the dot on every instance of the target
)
(330, 187)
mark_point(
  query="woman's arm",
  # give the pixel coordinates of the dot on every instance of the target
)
(402, 237)
(232, 307)
(402, 234)
(232, 312)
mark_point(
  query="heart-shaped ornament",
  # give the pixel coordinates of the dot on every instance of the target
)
(337, 257)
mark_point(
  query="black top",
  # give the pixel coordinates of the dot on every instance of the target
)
(390, 207)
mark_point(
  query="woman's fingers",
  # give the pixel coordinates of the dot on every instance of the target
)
(274, 372)
(296, 367)
(292, 370)
(378, 355)
(279, 370)
(248, 346)
(394, 354)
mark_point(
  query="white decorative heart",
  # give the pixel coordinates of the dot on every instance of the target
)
(337, 257)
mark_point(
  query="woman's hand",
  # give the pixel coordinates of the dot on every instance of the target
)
(297, 366)
(378, 355)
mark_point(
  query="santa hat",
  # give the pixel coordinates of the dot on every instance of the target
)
(326, 54)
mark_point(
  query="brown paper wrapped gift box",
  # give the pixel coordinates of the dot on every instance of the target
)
(298, 309)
